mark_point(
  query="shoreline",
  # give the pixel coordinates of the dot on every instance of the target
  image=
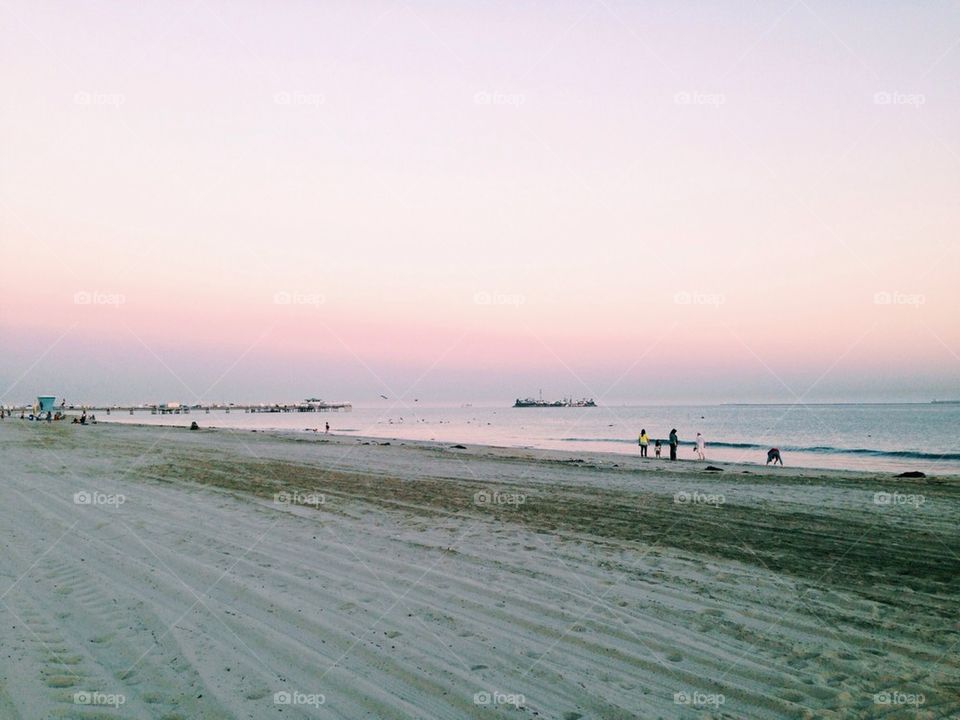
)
(911, 438)
(608, 456)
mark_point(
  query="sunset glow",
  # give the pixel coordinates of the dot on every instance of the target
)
(709, 205)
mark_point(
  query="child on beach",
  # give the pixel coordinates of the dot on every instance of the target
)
(656, 449)
(773, 456)
(644, 441)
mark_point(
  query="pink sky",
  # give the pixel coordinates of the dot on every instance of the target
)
(717, 202)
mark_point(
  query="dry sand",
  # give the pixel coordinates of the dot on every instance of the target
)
(573, 586)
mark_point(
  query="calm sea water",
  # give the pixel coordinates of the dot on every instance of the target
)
(870, 437)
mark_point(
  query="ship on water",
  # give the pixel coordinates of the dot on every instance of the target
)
(566, 402)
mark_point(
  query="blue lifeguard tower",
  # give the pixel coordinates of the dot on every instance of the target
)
(46, 402)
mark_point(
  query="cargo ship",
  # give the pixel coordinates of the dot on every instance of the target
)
(566, 402)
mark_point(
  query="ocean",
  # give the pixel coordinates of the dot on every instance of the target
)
(881, 437)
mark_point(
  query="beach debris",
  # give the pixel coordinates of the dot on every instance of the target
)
(912, 474)
(713, 468)
(458, 447)
(194, 426)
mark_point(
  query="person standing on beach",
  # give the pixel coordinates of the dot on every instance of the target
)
(326, 429)
(674, 442)
(656, 448)
(700, 447)
(644, 441)
(773, 456)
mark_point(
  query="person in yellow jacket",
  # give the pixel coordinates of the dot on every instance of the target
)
(644, 441)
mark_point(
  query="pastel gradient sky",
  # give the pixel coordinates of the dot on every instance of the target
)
(654, 202)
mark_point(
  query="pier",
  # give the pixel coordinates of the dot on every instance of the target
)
(172, 408)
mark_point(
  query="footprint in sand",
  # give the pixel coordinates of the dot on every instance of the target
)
(257, 693)
(674, 657)
(65, 659)
(392, 633)
(61, 681)
(793, 696)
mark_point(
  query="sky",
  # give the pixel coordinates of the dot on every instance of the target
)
(647, 202)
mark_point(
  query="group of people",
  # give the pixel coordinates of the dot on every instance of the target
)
(700, 447)
(673, 442)
(51, 416)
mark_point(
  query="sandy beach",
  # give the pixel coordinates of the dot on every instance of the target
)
(160, 573)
